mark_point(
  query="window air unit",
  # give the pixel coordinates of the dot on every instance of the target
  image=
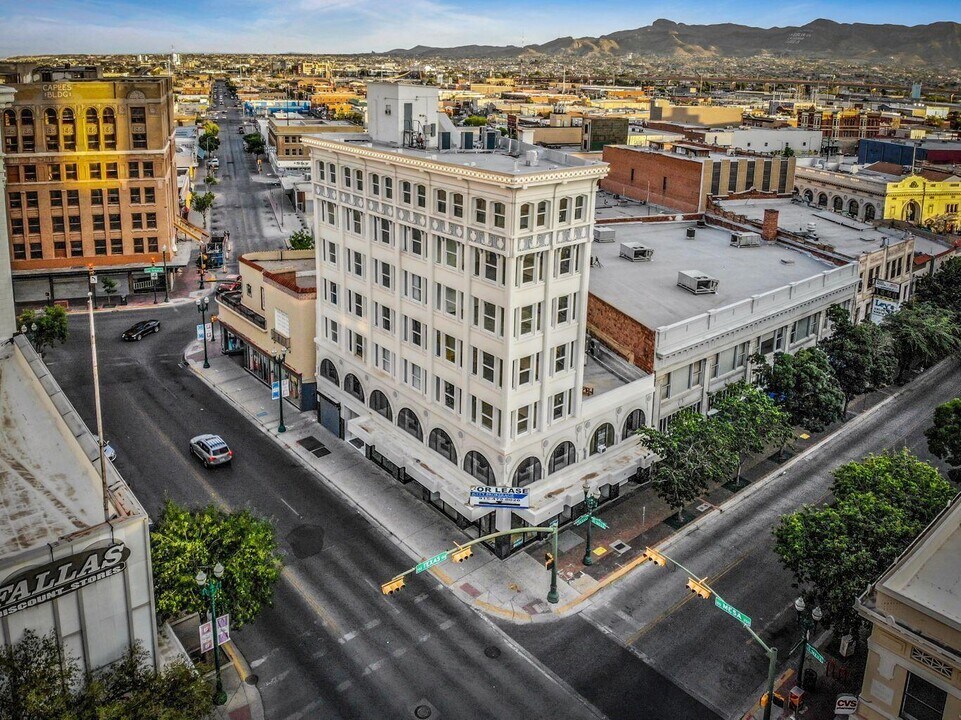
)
(745, 239)
(604, 234)
(635, 252)
(694, 281)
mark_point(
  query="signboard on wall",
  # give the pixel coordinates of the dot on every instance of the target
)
(55, 579)
(880, 309)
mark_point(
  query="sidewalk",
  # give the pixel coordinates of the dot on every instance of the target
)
(514, 588)
(243, 697)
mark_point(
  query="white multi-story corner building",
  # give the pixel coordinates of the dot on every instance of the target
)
(452, 271)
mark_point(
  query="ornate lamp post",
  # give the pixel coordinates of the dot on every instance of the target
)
(591, 502)
(210, 587)
(202, 305)
(808, 620)
(279, 354)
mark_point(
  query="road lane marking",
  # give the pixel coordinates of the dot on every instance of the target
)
(347, 637)
(421, 598)
(446, 625)
(399, 652)
(294, 577)
(372, 624)
(344, 686)
(291, 508)
(424, 638)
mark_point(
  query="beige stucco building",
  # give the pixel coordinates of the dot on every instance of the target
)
(914, 651)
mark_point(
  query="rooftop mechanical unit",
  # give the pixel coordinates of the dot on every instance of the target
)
(604, 234)
(745, 239)
(694, 281)
(635, 252)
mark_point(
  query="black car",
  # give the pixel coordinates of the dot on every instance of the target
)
(144, 327)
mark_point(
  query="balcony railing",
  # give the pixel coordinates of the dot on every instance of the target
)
(232, 300)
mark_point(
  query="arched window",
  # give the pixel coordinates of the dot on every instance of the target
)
(109, 130)
(869, 212)
(26, 117)
(529, 471)
(822, 200)
(563, 455)
(912, 212)
(27, 137)
(92, 121)
(633, 423)
(380, 405)
(603, 438)
(838, 204)
(329, 372)
(543, 207)
(853, 208)
(477, 465)
(352, 385)
(408, 422)
(526, 210)
(9, 118)
(808, 197)
(440, 442)
(11, 143)
(69, 129)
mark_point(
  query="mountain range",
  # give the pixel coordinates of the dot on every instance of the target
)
(821, 39)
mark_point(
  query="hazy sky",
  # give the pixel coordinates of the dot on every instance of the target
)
(136, 26)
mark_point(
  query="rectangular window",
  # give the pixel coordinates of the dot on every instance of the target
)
(488, 265)
(99, 224)
(53, 173)
(116, 246)
(328, 211)
(560, 358)
(355, 302)
(76, 248)
(152, 244)
(29, 173)
(529, 319)
(56, 198)
(374, 183)
(406, 192)
(542, 208)
(149, 196)
(526, 418)
(96, 171)
(33, 199)
(414, 287)
(113, 196)
(136, 221)
(922, 700)
(500, 215)
(563, 210)
(356, 343)
(565, 261)
(580, 203)
(525, 221)
(330, 291)
(100, 246)
(482, 413)
(449, 301)
(356, 262)
(527, 370)
(480, 211)
(33, 226)
(138, 246)
(564, 313)
(414, 332)
(421, 196)
(59, 225)
(487, 366)
(448, 252)
(112, 172)
(447, 394)
(135, 196)
(414, 241)
(447, 347)
(133, 169)
(388, 188)
(440, 201)
(382, 232)
(152, 221)
(384, 274)
(353, 220)
(73, 198)
(805, 327)
(16, 200)
(383, 358)
(36, 251)
(19, 249)
(331, 328)
(74, 223)
(358, 179)
(558, 405)
(488, 316)
(16, 226)
(414, 376)
(330, 252)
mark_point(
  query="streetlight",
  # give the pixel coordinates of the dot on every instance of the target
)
(93, 283)
(591, 503)
(32, 329)
(210, 587)
(153, 279)
(202, 305)
(278, 355)
(808, 620)
(166, 283)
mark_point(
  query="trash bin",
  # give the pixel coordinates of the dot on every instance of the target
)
(810, 680)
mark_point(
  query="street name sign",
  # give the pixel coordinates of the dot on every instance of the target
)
(600, 523)
(812, 651)
(732, 611)
(153, 270)
(581, 520)
(430, 562)
(484, 496)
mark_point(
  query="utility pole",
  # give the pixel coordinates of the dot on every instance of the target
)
(97, 408)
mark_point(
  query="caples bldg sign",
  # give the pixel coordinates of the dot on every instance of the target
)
(46, 582)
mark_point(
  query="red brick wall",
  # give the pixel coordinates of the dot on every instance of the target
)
(627, 336)
(769, 227)
(683, 176)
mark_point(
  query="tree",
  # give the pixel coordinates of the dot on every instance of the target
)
(755, 421)
(202, 204)
(923, 334)
(475, 121)
(302, 240)
(209, 142)
(51, 325)
(805, 385)
(693, 452)
(40, 681)
(862, 356)
(109, 286)
(788, 151)
(943, 288)
(882, 503)
(211, 128)
(254, 144)
(184, 541)
(944, 437)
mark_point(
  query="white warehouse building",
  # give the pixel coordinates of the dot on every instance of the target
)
(452, 270)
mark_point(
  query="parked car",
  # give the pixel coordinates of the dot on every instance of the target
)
(108, 451)
(228, 286)
(142, 328)
(211, 449)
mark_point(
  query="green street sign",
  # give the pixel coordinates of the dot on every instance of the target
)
(600, 523)
(581, 520)
(732, 611)
(429, 563)
(153, 270)
(812, 651)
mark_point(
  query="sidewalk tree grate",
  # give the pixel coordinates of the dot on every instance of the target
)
(314, 446)
(620, 547)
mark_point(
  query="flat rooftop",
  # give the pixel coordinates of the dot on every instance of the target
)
(847, 235)
(607, 207)
(648, 291)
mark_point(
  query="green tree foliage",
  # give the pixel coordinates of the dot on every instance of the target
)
(202, 203)
(943, 288)
(944, 437)
(39, 681)
(254, 144)
(862, 356)
(805, 385)
(754, 420)
(881, 504)
(211, 128)
(51, 325)
(693, 452)
(475, 121)
(185, 540)
(302, 240)
(923, 334)
(209, 142)
(109, 286)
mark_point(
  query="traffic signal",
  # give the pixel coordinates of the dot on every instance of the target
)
(698, 588)
(461, 554)
(548, 560)
(392, 586)
(655, 557)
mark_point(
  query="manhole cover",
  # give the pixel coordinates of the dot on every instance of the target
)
(422, 711)
(251, 679)
(492, 652)
(306, 540)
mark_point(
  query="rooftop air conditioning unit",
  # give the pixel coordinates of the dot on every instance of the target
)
(692, 232)
(694, 281)
(635, 252)
(531, 157)
(604, 234)
(745, 239)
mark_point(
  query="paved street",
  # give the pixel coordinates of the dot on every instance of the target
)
(688, 640)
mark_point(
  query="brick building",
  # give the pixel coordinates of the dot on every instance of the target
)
(848, 124)
(682, 175)
(91, 179)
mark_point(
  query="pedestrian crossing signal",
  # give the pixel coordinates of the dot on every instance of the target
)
(461, 554)
(698, 588)
(655, 557)
(389, 588)
(548, 560)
